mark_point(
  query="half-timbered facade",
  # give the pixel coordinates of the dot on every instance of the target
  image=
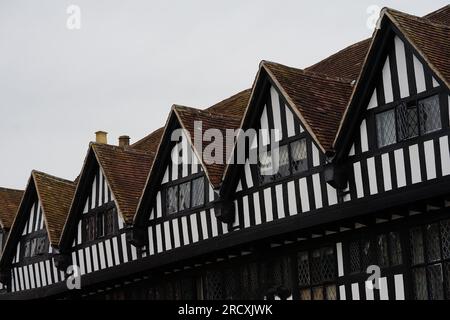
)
(341, 195)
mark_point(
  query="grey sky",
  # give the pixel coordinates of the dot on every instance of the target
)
(131, 60)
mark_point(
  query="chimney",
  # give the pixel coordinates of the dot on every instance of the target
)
(101, 137)
(124, 141)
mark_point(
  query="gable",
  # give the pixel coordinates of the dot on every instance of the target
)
(401, 76)
(186, 166)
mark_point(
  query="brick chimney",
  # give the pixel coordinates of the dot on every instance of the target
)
(124, 141)
(101, 137)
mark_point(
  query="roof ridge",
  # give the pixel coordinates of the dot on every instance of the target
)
(49, 176)
(437, 11)
(229, 98)
(128, 149)
(10, 189)
(312, 73)
(417, 18)
(212, 113)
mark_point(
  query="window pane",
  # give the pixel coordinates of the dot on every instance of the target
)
(367, 254)
(100, 225)
(27, 249)
(430, 114)
(316, 260)
(185, 196)
(303, 269)
(328, 264)
(433, 243)
(435, 282)
(447, 279)
(265, 167)
(110, 221)
(416, 242)
(395, 248)
(198, 192)
(420, 284)
(445, 238)
(172, 199)
(317, 293)
(299, 157)
(407, 121)
(305, 294)
(355, 263)
(331, 292)
(382, 250)
(386, 133)
(283, 162)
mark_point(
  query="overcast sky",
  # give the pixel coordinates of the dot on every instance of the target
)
(131, 60)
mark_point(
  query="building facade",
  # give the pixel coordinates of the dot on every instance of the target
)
(358, 208)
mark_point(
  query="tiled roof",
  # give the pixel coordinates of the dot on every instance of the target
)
(431, 39)
(9, 203)
(212, 120)
(234, 105)
(441, 15)
(319, 100)
(56, 196)
(150, 142)
(126, 171)
(346, 63)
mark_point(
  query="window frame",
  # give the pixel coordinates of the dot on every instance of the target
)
(95, 214)
(408, 102)
(286, 143)
(177, 183)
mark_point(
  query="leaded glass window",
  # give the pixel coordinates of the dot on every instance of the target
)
(355, 262)
(198, 192)
(382, 250)
(445, 238)
(407, 122)
(299, 156)
(435, 282)
(172, 199)
(430, 114)
(303, 269)
(433, 243)
(283, 162)
(420, 284)
(287, 159)
(185, 196)
(386, 133)
(395, 249)
(416, 243)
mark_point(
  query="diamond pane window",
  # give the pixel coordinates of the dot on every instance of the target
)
(386, 133)
(299, 156)
(305, 294)
(331, 292)
(417, 250)
(265, 167)
(420, 284)
(283, 162)
(355, 263)
(433, 243)
(185, 196)
(172, 199)
(395, 248)
(435, 282)
(316, 268)
(382, 250)
(303, 269)
(198, 192)
(445, 238)
(367, 254)
(430, 114)
(317, 293)
(447, 279)
(407, 121)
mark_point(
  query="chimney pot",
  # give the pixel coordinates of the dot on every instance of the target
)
(101, 137)
(124, 141)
